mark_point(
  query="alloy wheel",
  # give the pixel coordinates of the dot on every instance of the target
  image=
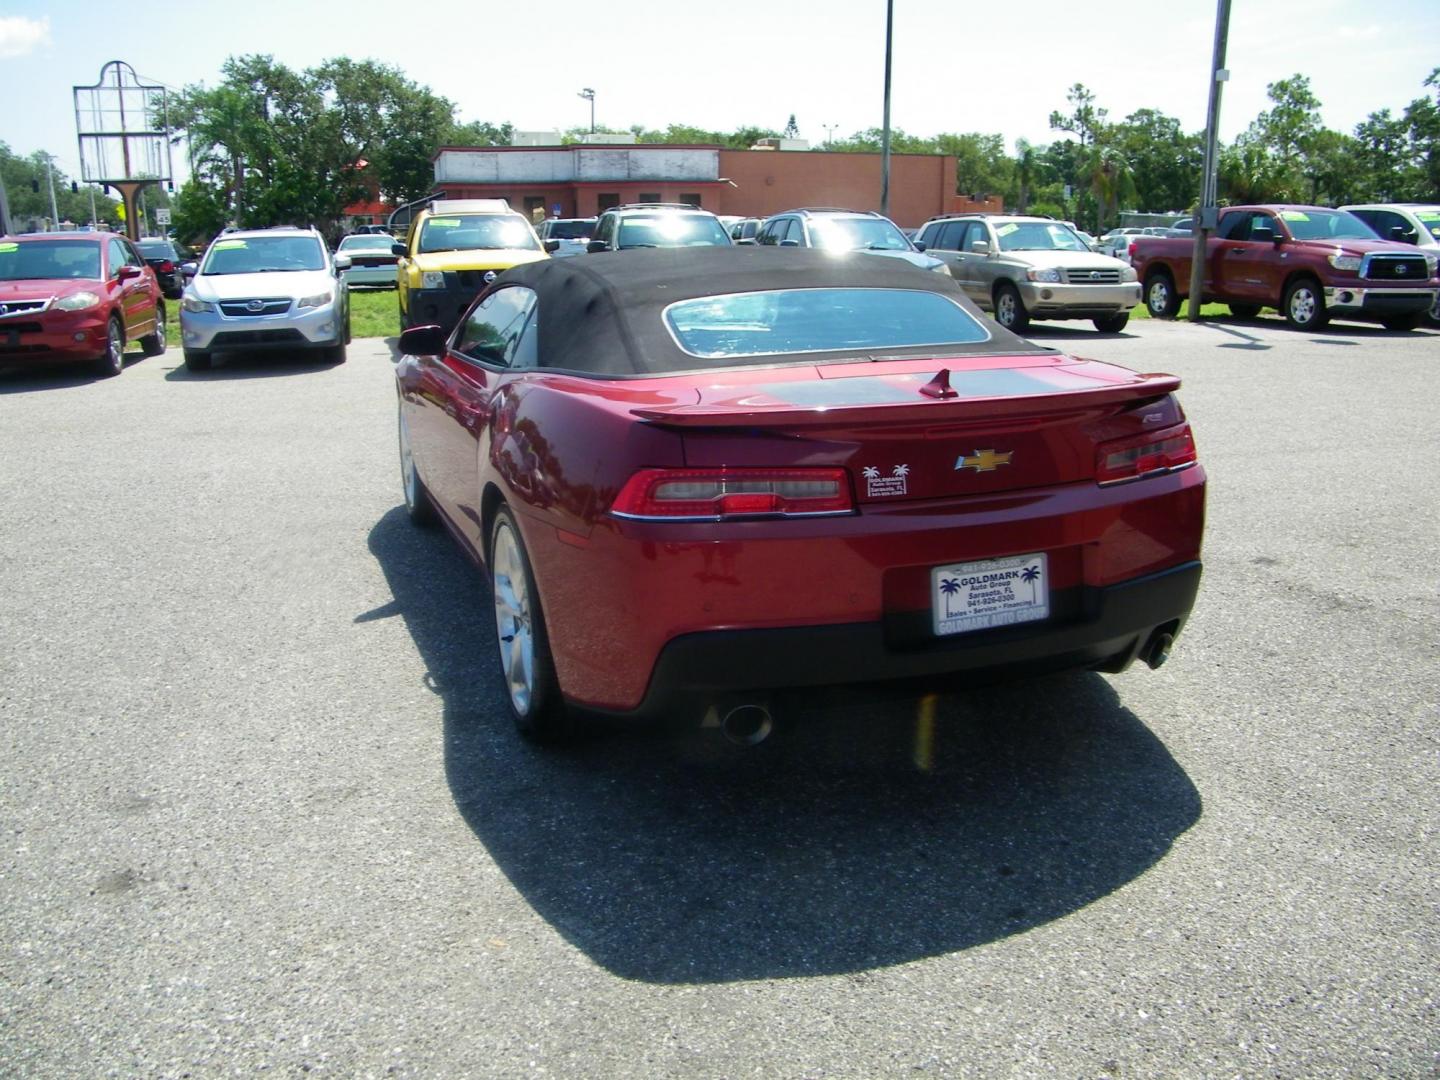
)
(513, 626)
(408, 476)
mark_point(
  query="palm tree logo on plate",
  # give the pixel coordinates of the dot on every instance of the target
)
(949, 586)
(901, 471)
(1030, 575)
(870, 472)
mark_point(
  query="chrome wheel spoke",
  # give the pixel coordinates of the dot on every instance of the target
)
(516, 638)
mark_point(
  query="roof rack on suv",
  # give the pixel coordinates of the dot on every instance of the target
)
(656, 206)
(829, 210)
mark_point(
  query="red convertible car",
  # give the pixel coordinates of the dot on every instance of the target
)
(696, 476)
(77, 296)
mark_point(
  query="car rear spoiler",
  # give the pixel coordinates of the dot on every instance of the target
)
(926, 408)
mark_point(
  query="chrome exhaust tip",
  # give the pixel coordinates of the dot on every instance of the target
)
(1160, 650)
(747, 725)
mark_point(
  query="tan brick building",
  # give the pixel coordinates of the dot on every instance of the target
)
(583, 179)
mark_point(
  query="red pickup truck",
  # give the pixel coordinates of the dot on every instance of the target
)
(1308, 262)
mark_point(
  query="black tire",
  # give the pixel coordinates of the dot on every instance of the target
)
(536, 706)
(111, 362)
(1411, 321)
(1010, 309)
(1161, 299)
(335, 354)
(1304, 305)
(154, 344)
(1112, 324)
(417, 497)
(1244, 311)
(347, 323)
(404, 319)
(1433, 315)
(197, 360)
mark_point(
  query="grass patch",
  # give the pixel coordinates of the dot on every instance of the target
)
(374, 313)
(1140, 311)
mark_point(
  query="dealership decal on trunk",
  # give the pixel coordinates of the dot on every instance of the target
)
(984, 460)
(877, 486)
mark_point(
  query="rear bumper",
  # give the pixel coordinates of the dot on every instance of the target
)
(1102, 628)
(370, 275)
(618, 600)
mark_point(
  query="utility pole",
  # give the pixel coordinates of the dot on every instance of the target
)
(885, 130)
(50, 179)
(94, 220)
(1206, 214)
(589, 95)
(4, 210)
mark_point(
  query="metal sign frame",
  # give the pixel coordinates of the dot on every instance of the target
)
(123, 128)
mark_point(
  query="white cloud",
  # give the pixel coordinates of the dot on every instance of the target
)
(19, 35)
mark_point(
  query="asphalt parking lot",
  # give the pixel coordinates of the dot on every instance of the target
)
(263, 809)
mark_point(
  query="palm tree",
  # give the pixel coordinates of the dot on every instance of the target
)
(871, 472)
(901, 471)
(949, 586)
(1029, 575)
(1110, 181)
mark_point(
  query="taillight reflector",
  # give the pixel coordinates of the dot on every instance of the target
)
(716, 494)
(1141, 455)
(167, 267)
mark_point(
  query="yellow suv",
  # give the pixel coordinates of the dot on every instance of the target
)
(455, 248)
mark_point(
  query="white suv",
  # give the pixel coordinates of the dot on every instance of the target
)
(266, 289)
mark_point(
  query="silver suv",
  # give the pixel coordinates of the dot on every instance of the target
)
(834, 229)
(649, 225)
(266, 289)
(1024, 268)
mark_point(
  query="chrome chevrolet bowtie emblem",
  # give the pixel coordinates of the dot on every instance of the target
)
(984, 460)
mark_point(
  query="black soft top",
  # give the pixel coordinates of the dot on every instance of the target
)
(601, 313)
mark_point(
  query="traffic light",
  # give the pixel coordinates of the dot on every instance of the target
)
(74, 187)
(35, 186)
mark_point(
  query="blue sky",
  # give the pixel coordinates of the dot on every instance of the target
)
(745, 62)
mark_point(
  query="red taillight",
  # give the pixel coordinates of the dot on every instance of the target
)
(167, 267)
(1140, 455)
(715, 494)
(1132, 249)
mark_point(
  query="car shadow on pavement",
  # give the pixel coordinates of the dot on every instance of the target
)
(20, 379)
(249, 366)
(860, 835)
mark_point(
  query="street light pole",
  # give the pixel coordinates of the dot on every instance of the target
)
(589, 95)
(885, 130)
(50, 179)
(1207, 213)
(829, 133)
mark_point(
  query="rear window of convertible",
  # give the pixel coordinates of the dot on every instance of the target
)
(818, 320)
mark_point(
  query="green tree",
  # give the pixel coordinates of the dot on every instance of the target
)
(792, 129)
(1165, 162)
(27, 187)
(981, 164)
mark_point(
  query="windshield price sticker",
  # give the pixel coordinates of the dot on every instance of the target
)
(228, 245)
(989, 593)
(1294, 215)
(1005, 230)
(9, 247)
(445, 222)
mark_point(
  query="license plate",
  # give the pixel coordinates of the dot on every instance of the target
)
(989, 593)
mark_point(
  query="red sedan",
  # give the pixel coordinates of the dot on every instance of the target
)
(699, 475)
(77, 296)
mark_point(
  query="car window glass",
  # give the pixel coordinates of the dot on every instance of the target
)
(132, 257)
(1235, 226)
(951, 235)
(492, 331)
(929, 234)
(33, 260)
(117, 256)
(818, 320)
(1389, 220)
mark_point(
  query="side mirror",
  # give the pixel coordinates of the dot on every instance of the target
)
(1261, 234)
(342, 262)
(789, 243)
(552, 246)
(398, 250)
(1402, 234)
(423, 341)
(920, 245)
(597, 245)
(188, 269)
(745, 243)
(127, 273)
(980, 247)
